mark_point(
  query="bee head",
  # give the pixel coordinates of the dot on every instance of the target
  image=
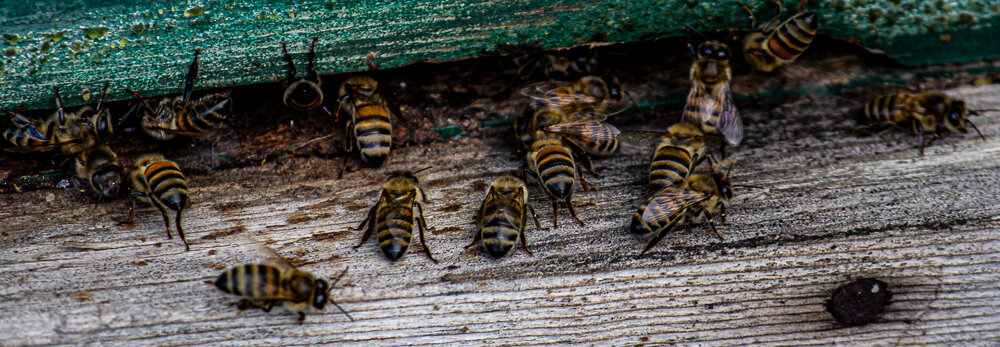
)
(507, 185)
(322, 294)
(714, 50)
(107, 181)
(956, 119)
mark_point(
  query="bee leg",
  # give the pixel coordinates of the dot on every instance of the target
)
(312, 62)
(753, 21)
(291, 63)
(166, 220)
(587, 164)
(180, 231)
(244, 304)
(302, 317)
(131, 210)
(349, 148)
(572, 211)
(555, 213)
(421, 227)
(267, 305)
(368, 231)
(191, 76)
(722, 150)
(524, 242)
(535, 217)
(476, 240)
(59, 104)
(711, 225)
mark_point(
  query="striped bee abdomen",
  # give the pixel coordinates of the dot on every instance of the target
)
(200, 118)
(374, 132)
(501, 225)
(394, 228)
(670, 166)
(556, 169)
(167, 185)
(652, 216)
(887, 109)
(251, 280)
(794, 36)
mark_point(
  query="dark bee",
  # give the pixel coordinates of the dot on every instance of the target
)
(179, 115)
(97, 171)
(502, 217)
(276, 281)
(676, 152)
(392, 218)
(160, 182)
(71, 133)
(370, 126)
(303, 94)
(927, 112)
(551, 161)
(778, 43)
(710, 103)
(696, 200)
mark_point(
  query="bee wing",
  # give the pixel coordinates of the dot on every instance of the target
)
(730, 125)
(672, 200)
(700, 105)
(268, 255)
(642, 139)
(585, 128)
(552, 94)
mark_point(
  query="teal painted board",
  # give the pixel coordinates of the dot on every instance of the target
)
(79, 45)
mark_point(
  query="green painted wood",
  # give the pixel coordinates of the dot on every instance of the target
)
(146, 45)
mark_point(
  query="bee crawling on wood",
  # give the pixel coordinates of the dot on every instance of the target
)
(262, 285)
(303, 94)
(710, 102)
(502, 217)
(778, 43)
(180, 115)
(160, 182)
(676, 152)
(393, 217)
(369, 128)
(927, 113)
(700, 198)
(69, 132)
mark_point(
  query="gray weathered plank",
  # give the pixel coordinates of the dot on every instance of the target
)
(834, 208)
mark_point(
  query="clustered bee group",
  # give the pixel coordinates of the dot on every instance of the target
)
(565, 125)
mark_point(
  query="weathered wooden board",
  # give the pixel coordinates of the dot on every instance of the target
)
(833, 208)
(146, 45)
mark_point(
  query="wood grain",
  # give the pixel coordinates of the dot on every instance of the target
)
(832, 208)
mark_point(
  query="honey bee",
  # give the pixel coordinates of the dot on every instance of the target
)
(588, 95)
(159, 181)
(676, 152)
(557, 67)
(502, 217)
(71, 133)
(392, 218)
(778, 43)
(695, 200)
(370, 126)
(262, 285)
(97, 171)
(552, 163)
(710, 103)
(927, 112)
(303, 94)
(179, 115)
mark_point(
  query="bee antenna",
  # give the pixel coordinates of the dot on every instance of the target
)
(330, 298)
(747, 186)
(977, 129)
(729, 170)
(690, 28)
(422, 170)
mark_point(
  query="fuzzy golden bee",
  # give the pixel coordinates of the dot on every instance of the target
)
(698, 199)
(159, 181)
(180, 115)
(588, 95)
(676, 152)
(503, 216)
(710, 102)
(69, 132)
(303, 94)
(778, 43)
(927, 113)
(393, 217)
(262, 285)
(369, 127)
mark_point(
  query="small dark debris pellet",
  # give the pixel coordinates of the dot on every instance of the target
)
(859, 302)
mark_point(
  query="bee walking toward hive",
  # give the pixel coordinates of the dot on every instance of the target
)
(927, 113)
(502, 217)
(262, 285)
(180, 115)
(676, 152)
(698, 199)
(392, 218)
(303, 94)
(710, 103)
(778, 43)
(159, 181)
(369, 128)
(69, 132)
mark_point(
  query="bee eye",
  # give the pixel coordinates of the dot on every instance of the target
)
(722, 54)
(706, 52)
